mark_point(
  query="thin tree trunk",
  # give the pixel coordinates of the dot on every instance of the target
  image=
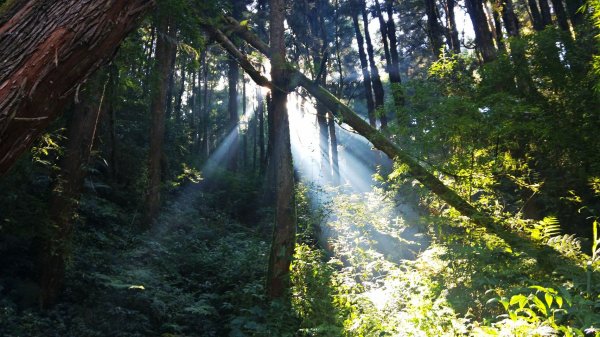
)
(394, 69)
(375, 79)
(64, 201)
(364, 65)
(164, 62)
(261, 130)
(511, 23)
(334, 151)
(46, 52)
(384, 36)
(284, 233)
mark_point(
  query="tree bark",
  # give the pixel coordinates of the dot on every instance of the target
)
(163, 65)
(483, 35)
(453, 40)
(536, 17)
(394, 69)
(434, 30)
(364, 65)
(65, 199)
(375, 79)
(47, 49)
(545, 12)
(384, 35)
(561, 15)
(284, 233)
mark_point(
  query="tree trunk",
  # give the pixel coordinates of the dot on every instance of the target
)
(483, 36)
(394, 69)
(364, 65)
(434, 30)
(375, 79)
(334, 151)
(64, 201)
(453, 40)
(561, 15)
(284, 233)
(511, 23)
(47, 49)
(536, 17)
(384, 35)
(545, 12)
(163, 65)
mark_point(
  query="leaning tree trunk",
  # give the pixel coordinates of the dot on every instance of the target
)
(284, 233)
(48, 48)
(64, 201)
(164, 61)
(545, 255)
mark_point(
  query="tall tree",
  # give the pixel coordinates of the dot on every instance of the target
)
(483, 35)
(284, 233)
(375, 79)
(394, 68)
(451, 28)
(364, 65)
(65, 199)
(434, 29)
(47, 49)
(164, 63)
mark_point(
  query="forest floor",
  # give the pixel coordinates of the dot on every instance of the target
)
(378, 268)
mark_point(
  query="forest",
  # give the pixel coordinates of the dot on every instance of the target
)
(299, 168)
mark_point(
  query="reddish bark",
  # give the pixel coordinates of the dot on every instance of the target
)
(47, 49)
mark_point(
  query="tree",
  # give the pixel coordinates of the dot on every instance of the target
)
(284, 233)
(364, 65)
(163, 65)
(377, 85)
(483, 35)
(48, 50)
(65, 197)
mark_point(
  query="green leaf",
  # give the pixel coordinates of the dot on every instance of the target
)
(549, 299)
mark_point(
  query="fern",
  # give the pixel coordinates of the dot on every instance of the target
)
(545, 229)
(568, 245)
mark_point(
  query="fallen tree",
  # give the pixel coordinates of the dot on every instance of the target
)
(47, 49)
(544, 254)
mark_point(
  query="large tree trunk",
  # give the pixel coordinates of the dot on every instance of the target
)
(545, 255)
(64, 201)
(47, 49)
(384, 36)
(364, 65)
(453, 40)
(536, 17)
(375, 79)
(284, 233)
(164, 61)
(434, 30)
(483, 35)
